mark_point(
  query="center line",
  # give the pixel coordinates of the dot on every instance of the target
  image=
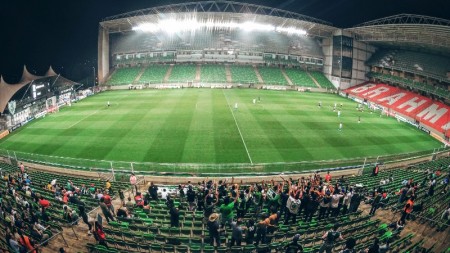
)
(239, 130)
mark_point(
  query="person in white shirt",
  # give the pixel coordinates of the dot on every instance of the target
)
(164, 194)
(335, 203)
(292, 204)
(346, 202)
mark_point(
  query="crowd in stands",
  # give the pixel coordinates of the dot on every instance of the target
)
(307, 214)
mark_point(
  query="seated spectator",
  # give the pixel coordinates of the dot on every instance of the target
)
(130, 205)
(43, 202)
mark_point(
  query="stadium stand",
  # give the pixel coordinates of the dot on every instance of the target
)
(123, 76)
(183, 73)
(322, 80)
(436, 90)
(171, 225)
(300, 78)
(178, 219)
(213, 74)
(154, 74)
(243, 74)
(272, 76)
(26, 195)
(419, 63)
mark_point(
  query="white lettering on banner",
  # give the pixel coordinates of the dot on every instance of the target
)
(362, 88)
(446, 126)
(392, 99)
(412, 103)
(376, 92)
(433, 113)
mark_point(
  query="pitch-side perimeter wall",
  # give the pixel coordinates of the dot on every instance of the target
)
(418, 110)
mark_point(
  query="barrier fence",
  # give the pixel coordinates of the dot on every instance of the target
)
(232, 169)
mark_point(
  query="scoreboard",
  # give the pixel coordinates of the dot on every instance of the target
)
(40, 89)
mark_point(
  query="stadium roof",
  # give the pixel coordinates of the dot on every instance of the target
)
(406, 31)
(223, 10)
(7, 91)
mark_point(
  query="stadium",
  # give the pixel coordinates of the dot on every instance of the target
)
(236, 115)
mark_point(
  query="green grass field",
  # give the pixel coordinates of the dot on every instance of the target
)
(201, 126)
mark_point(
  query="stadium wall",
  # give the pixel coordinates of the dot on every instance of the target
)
(361, 53)
(103, 55)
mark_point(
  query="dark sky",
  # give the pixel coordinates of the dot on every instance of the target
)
(63, 33)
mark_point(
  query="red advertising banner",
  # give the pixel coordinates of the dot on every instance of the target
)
(428, 112)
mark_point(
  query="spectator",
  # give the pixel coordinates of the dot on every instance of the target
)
(328, 177)
(133, 182)
(407, 209)
(325, 203)
(292, 205)
(99, 234)
(26, 242)
(14, 244)
(335, 200)
(164, 194)
(106, 211)
(294, 246)
(139, 200)
(236, 232)
(213, 229)
(153, 191)
(191, 197)
(250, 232)
(122, 197)
(376, 248)
(108, 202)
(174, 216)
(43, 202)
(330, 238)
(226, 211)
(349, 246)
(83, 215)
(130, 205)
(375, 203)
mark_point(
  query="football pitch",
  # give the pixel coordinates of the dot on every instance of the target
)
(203, 126)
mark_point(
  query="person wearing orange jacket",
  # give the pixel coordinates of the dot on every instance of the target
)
(407, 209)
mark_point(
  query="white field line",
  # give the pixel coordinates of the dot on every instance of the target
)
(239, 130)
(85, 117)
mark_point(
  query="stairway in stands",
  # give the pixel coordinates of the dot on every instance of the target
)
(258, 75)
(314, 80)
(136, 80)
(169, 71)
(228, 73)
(287, 77)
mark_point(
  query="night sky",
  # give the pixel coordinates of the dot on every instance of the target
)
(63, 33)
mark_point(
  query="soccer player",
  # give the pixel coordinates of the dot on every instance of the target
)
(359, 119)
(108, 104)
(339, 113)
(235, 106)
(254, 101)
(340, 126)
(320, 104)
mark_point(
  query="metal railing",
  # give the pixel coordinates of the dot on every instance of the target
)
(209, 169)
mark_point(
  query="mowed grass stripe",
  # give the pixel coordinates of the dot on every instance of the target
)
(168, 144)
(228, 145)
(201, 131)
(259, 145)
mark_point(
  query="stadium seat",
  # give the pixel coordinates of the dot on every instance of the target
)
(123, 76)
(272, 76)
(213, 74)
